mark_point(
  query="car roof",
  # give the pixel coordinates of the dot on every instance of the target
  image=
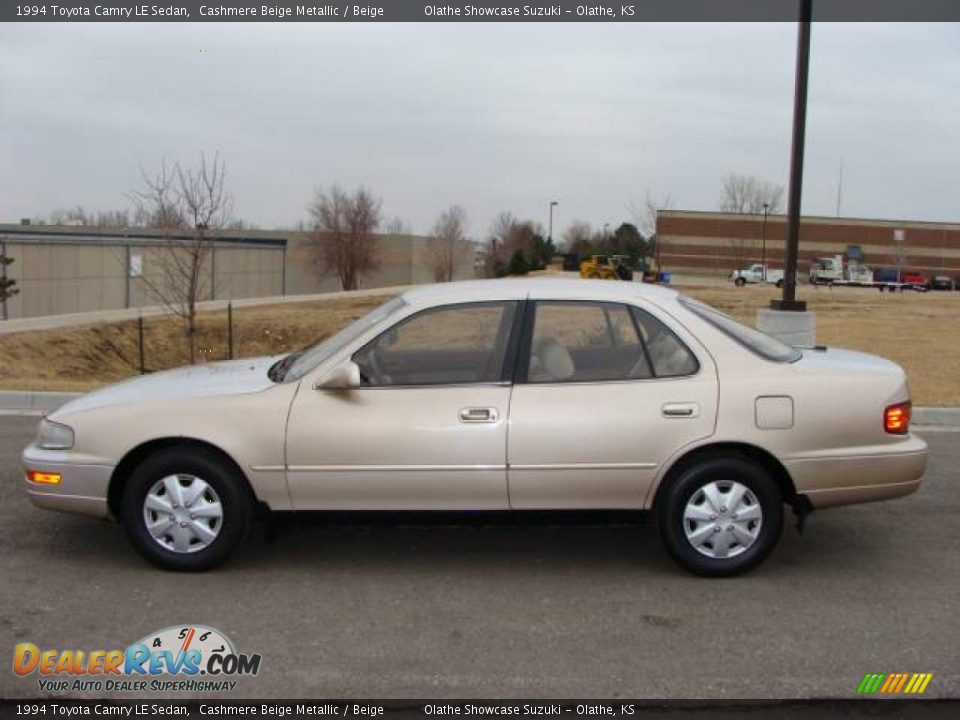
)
(535, 287)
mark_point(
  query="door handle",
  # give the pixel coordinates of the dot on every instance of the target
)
(680, 410)
(479, 415)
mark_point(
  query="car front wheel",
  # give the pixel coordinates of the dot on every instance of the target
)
(183, 509)
(721, 516)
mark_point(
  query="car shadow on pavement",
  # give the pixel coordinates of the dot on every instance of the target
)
(445, 542)
(559, 541)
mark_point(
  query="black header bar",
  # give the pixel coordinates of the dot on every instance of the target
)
(476, 11)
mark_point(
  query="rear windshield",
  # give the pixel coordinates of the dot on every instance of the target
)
(754, 340)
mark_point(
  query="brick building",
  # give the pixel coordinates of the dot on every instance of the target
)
(713, 243)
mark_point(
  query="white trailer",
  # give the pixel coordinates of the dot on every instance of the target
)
(834, 271)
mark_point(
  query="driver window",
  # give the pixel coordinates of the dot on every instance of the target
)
(454, 344)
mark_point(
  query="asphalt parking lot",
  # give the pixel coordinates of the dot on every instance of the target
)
(537, 609)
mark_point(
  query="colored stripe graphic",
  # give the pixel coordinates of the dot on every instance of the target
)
(894, 683)
(871, 682)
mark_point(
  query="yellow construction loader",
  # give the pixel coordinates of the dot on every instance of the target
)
(606, 267)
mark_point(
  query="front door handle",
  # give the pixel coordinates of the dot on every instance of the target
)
(479, 415)
(680, 410)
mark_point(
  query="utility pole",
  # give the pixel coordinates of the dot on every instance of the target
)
(763, 242)
(553, 204)
(789, 300)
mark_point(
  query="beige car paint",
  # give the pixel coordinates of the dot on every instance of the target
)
(590, 445)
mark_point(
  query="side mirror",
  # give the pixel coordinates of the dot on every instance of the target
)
(342, 377)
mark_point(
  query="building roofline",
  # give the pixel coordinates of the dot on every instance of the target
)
(811, 219)
(245, 236)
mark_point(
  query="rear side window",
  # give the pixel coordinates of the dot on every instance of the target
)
(764, 345)
(668, 355)
(578, 341)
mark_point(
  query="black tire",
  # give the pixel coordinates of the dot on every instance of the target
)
(232, 492)
(682, 488)
(739, 282)
(779, 283)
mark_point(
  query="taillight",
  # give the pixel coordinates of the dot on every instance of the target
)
(896, 419)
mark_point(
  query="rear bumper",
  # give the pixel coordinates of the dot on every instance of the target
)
(82, 488)
(859, 475)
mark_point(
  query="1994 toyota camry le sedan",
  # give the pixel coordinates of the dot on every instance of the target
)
(494, 395)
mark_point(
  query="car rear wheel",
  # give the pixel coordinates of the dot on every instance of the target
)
(721, 516)
(739, 282)
(183, 509)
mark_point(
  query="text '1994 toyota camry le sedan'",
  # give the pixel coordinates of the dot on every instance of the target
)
(494, 395)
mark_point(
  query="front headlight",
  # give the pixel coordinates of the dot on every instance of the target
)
(54, 436)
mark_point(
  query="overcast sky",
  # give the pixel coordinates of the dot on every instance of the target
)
(489, 116)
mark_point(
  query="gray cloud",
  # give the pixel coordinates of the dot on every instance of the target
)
(488, 116)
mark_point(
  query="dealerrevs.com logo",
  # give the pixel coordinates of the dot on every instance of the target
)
(188, 658)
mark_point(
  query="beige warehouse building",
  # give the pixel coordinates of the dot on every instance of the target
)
(69, 269)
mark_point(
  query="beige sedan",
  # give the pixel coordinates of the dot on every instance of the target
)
(494, 395)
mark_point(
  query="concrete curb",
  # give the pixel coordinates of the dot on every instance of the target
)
(937, 416)
(28, 402)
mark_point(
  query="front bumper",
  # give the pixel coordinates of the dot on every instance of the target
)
(83, 483)
(860, 475)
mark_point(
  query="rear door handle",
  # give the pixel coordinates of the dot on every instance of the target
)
(680, 410)
(479, 415)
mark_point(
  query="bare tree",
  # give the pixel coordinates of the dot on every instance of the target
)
(576, 238)
(7, 284)
(748, 194)
(69, 216)
(112, 218)
(447, 248)
(343, 239)
(494, 254)
(102, 218)
(187, 205)
(645, 217)
(522, 236)
(645, 213)
(396, 226)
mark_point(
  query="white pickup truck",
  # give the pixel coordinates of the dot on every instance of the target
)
(755, 274)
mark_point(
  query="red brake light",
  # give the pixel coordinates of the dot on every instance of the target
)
(896, 419)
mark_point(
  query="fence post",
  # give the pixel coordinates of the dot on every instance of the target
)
(230, 330)
(143, 368)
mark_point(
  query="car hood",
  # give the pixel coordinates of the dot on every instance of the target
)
(233, 377)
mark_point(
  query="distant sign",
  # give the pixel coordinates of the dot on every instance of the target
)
(899, 236)
(136, 265)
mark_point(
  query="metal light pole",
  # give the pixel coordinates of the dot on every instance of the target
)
(763, 242)
(553, 204)
(789, 300)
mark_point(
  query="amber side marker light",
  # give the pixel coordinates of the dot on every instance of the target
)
(43, 478)
(896, 419)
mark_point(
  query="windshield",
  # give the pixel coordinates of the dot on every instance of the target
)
(295, 365)
(759, 342)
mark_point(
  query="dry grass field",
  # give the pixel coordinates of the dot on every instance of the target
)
(918, 331)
